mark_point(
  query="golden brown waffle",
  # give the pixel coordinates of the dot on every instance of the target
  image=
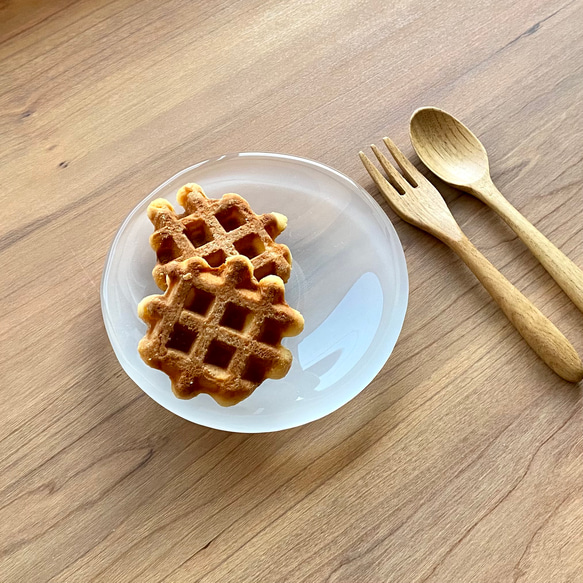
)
(216, 229)
(218, 330)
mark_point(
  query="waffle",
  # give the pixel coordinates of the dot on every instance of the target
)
(216, 229)
(218, 330)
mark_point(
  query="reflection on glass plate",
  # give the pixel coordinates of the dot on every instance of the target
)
(349, 280)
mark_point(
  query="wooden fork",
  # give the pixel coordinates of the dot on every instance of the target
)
(418, 202)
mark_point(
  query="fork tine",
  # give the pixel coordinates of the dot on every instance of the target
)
(408, 170)
(384, 186)
(396, 180)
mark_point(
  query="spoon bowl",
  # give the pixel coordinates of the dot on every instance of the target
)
(452, 152)
(448, 148)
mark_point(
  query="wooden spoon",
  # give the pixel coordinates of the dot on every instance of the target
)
(452, 152)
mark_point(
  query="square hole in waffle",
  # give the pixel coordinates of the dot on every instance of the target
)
(236, 317)
(251, 245)
(256, 369)
(181, 338)
(230, 218)
(218, 330)
(167, 251)
(198, 301)
(219, 354)
(197, 232)
(216, 229)
(270, 332)
(216, 258)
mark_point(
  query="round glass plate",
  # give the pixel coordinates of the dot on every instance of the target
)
(349, 280)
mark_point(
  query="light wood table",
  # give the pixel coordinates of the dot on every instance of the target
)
(462, 461)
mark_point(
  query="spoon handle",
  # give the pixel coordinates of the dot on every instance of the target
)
(538, 331)
(559, 266)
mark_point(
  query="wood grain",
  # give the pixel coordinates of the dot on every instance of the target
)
(453, 153)
(418, 202)
(460, 462)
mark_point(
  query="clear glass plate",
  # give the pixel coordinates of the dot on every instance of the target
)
(349, 280)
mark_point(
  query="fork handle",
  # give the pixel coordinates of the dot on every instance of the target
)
(559, 266)
(538, 331)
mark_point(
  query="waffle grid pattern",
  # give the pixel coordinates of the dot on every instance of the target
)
(218, 331)
(214, 230)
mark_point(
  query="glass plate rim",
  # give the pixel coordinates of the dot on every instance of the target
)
(372, 204)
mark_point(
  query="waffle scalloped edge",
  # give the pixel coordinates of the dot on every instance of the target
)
(218, 330)
(215, 229)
